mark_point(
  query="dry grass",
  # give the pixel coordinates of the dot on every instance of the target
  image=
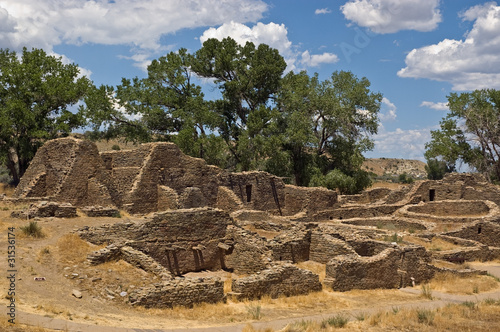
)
(5, 326)
(436, 244)
(468, 316)
(314, 267)
(7, 189)
(449, 283)
(73, 250)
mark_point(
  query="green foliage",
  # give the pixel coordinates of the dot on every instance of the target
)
(470, 133)
(115, 147)
(36, 91)
(296, 126)
(436, 169)
(426, 291)
(405, 178)
(32, 230)
(393, 238)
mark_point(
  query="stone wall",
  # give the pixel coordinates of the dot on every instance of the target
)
(309, 200)
(180, 240)
(484, 232)
(67, 170)
(279, 280)
(179, 292)
(46, 209)
(324, 247)
(292, 245)
(392, 268)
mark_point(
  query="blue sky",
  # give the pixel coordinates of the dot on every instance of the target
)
(415, 52)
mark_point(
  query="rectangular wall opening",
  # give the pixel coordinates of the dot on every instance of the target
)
(249, 192)
(432, 194)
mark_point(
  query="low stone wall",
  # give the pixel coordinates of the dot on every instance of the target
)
(356, 212)
(481, 231)
(279, 280)
(324, 247)
(100, 211)
(392, 268)
(292, 245)
(387, 223)
(309, 200)
(45, 210)
(178, 292)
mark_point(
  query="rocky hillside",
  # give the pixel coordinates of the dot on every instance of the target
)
(395, 167)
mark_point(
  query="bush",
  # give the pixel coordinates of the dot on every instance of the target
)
(115, 147)
(345, 184)
(32, 229)
(338, 321)
(405, 178)
(425, 316)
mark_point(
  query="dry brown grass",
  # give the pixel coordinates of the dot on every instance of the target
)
(314, 267)
(436, 244)
(5, 326)
(449, 283)
(7, 189)
(73, 250)
(482, 317)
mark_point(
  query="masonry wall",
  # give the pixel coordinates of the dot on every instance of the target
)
(484, 232)
(279, 280)
(180, 240)
(391, 268)
(180, 293)
(310, 200)
(324, 247)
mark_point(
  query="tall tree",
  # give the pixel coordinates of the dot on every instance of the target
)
(36, 91)
(166, 105)
(248, 78)
(470, 132)
(327, 125)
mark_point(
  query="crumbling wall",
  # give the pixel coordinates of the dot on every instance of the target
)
(392, 268)
(247, 252)
(178, 292)
(279, 280)
(361, 211)
(67, 170)
(324, 247)
(309, 200)
(180, 240)
(292, 245)
(481, 231)
(46, 209)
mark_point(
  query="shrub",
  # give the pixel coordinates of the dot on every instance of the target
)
(254, 310)
(32, 229)
(426, 291)
(115, 147)
(425, 316)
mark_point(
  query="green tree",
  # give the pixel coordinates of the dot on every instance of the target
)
(166, 106)
(470, 133)
(326, 125)
(248, 78)
(436, 169)
(36, 91)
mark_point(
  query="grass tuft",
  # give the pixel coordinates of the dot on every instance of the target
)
(337, 321)
(32, 230)
(426, 291)
(425, 316)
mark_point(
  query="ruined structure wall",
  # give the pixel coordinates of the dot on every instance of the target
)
(180, 293)
(484, 232)
(324, 247)
(67, 170)
(280, 280)
(311, 200)
(392, 268)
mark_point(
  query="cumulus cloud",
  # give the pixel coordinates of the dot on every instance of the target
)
(322, 11)
(139, 23)
(389, 111)
(317, 59)
(407, 144)
(272, 34)
(435, 106)
(389, 16)
(472, 63)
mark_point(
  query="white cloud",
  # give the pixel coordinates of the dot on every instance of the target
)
(272, 34)
(473, 63)
(407, 144)
(435, 106)
(389, 16)
(138, 23)
(322, 11)
(389, 111)
(317, 59)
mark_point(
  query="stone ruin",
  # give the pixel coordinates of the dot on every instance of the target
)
(188, 216)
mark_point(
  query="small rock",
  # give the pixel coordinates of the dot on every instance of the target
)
(77, 294)
(96, 279)
(123, 294)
